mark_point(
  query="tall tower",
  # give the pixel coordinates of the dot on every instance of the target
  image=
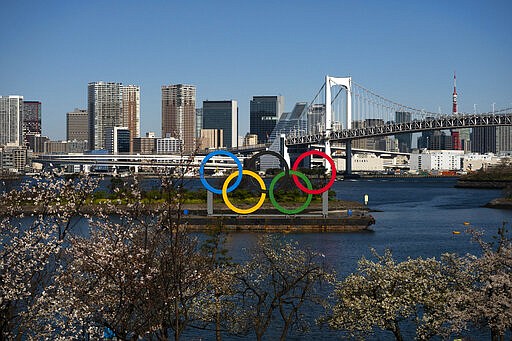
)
(179, 114)
(455, 133)
(454, 107)
(11, 120)
(105, 109)
(131, 111)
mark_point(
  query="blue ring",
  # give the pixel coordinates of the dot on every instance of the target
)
(208, 157)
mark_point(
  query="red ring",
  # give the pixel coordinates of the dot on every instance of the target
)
(333, 172)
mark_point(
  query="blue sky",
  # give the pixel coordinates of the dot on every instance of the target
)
(403, 50)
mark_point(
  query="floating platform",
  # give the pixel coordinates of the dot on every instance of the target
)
(334, 222)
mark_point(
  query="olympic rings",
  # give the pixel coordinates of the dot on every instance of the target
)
(333, 172)
(251, 164)
(276, 204)
(239, 210)
(208, 157)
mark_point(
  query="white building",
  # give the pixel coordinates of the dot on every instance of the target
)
(362, 162)
(169, 145)
(439, 160)
(473, 162)
(11, 120)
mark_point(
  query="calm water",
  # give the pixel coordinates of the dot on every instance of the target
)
(416, 218)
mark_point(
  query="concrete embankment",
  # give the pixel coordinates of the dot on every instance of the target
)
(494, 184)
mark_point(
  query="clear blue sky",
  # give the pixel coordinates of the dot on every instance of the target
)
(403, 50)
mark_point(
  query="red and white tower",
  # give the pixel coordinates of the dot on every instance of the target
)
(454, 108)
(455, 133)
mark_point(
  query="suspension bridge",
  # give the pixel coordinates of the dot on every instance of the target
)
(343, 111)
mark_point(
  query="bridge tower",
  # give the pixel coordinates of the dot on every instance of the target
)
(345, 82)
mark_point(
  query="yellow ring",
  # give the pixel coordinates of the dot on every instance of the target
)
(236, 209)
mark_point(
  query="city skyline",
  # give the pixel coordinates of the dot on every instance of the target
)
(405, 51)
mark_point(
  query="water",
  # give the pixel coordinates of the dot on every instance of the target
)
(415, 218)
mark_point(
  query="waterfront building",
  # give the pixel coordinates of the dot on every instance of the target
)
(13, 159)
(222, 115)
(145, 145)
(404, 140)
(474, 161)
(361, 162)
(131, 111)
(11, 120)
(65, 147)
(31, 117)
(436, 160)
(169, 145)
(77, 125)
(105, 108)
(118, 140)
(212, 138)
(264, 113)
(179, 114)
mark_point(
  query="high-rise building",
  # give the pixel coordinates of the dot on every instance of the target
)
(265, 111)
(77, 125)
(32, 117)
(222, 115)
(179, 114)
(11, 120)
(483, 140)
(316, 118)
(117, 140)
(372, 143)
(503, 139)
(131, 111)
(440, 141)
(405, 139)
(105, 108)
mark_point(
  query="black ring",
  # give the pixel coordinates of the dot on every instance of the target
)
(251, 163)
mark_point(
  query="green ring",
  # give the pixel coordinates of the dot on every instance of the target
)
(276, 204)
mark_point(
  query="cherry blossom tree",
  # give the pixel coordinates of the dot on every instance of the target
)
(278, 282)
(388, 295)
(35, 219)
(487, 301)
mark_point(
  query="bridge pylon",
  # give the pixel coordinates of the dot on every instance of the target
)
(345, 82)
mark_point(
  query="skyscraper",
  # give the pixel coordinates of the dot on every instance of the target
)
(503, 139)
(131, 111)
(404, 140)
(105, 108)
(32, 117)
(77, 125)
(222, 115)
(265, 111)
(11, 120)
(483, 140)
(179, 114)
